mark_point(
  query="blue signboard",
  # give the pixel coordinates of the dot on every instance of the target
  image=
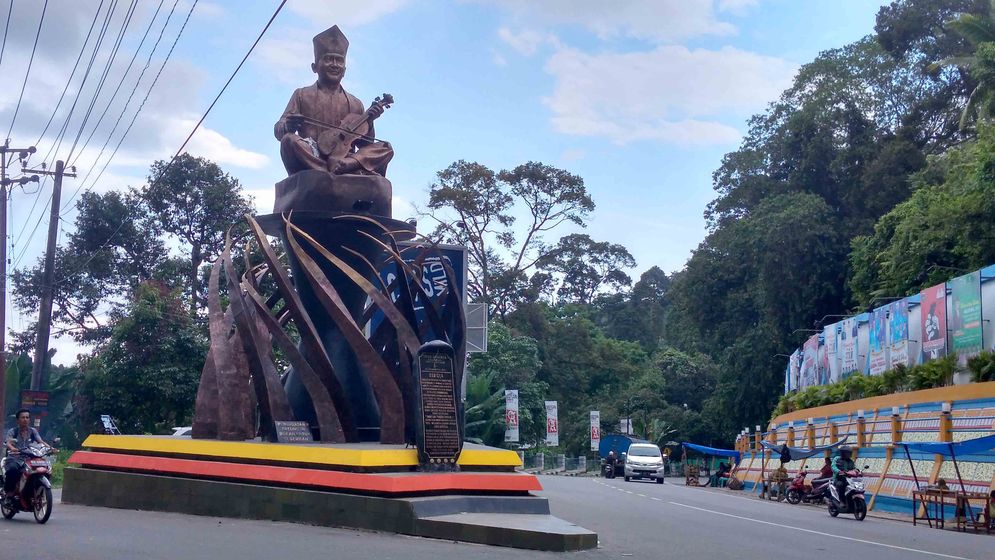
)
(435, 283)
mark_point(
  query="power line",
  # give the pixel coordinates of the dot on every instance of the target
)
(134, 117)
(31, 61)
(104, 74)
(120, 82)
(199, 122)
(117, 122)
(10, 10)
(82, 50)
(57, 142)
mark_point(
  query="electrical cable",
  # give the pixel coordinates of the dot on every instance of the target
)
(27, 73)
(103, 76)
(127, 103)
(3, 46)
(138, 112)
(82, 50)
(57, 142)
(120, 83)
(177, 154)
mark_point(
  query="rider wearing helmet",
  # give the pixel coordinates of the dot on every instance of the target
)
(841, 464)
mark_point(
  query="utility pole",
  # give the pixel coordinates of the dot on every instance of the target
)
(22, 154)
(48, 280)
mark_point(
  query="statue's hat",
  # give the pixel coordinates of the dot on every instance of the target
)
(330, 41)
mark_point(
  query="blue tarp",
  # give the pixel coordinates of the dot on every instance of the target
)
(798, 453)
(950, 449)
(713, 451)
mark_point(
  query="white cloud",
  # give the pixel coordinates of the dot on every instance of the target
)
(736, 7)
(288, 60)
(670, 93)
(209, 10)
(653, 20)
(526, 42)
(263, 198)
(345, 13)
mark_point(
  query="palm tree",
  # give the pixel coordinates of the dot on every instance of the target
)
(979, 31)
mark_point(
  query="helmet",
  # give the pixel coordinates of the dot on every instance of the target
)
(846, 452)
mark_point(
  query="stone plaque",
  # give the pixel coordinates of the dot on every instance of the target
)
(293, 432)
(439, 434)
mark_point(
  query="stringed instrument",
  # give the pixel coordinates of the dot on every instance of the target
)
(336, 142)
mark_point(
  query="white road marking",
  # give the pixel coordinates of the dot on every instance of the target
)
(641, 495)
(896, 547)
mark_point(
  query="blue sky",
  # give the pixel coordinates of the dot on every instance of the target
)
(641, 98)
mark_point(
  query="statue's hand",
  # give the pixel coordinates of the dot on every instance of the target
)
(375, 111)
(294, 122)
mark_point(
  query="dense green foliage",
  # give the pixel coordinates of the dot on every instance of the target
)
(932, 374)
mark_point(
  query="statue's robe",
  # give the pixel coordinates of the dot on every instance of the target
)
(327, 106)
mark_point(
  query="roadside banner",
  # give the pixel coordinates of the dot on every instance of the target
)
(933, 327)
(810, 362)
(848, 341)
(552, 425)
(832, 359)
(965, 319)
(511, 415)
(595, 430)
(878, 358)
(898, 333)
(796, 369)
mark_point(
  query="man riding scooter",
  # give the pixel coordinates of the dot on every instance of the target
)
(841, 464)
(15, 440)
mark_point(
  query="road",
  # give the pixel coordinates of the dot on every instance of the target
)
(634, 520)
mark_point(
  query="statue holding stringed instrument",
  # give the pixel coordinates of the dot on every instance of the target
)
(324, 127)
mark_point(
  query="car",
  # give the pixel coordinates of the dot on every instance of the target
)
(644, 460)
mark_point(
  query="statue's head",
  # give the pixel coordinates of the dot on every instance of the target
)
(330, 47)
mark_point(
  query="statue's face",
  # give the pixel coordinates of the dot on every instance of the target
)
(330, 68)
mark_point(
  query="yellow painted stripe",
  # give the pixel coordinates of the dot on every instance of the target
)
(318, 454)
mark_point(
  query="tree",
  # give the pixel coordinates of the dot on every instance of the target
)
(586, 266)
(978, 29)
(946, 226)
(195, 201)
(502, 257)
(146, 374)
(113, 247)
(638, 315)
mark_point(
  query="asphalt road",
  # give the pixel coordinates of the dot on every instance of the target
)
(634, 520)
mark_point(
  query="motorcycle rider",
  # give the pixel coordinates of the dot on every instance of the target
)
(841, 464)
(610, 461)
(16, 439)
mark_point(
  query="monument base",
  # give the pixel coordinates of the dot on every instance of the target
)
(362, 486)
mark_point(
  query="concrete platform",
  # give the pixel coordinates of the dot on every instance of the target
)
(515, 521)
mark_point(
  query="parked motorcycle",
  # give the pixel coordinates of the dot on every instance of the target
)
(800, 492)
(852, 500)
(34, 489)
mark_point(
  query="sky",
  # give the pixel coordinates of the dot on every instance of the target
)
(641, 98)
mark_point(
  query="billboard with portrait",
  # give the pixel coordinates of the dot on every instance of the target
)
(933, 326)
(849, 347)
(965, 318)
(898, 333)
(877, 357)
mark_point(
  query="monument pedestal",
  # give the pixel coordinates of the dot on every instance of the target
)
(363, 486)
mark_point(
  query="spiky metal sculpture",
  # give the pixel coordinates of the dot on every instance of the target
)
(348, 377)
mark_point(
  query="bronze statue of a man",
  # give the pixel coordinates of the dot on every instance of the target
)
(320, 107)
